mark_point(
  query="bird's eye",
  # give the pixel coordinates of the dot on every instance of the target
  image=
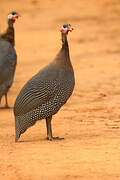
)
(64, 26)
(13, 13)
(69, 25)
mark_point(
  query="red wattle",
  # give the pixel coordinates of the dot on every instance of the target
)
(13, 18)
(63, 31)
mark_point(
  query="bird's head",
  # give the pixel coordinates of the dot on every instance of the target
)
(13, 16)
(66, 28)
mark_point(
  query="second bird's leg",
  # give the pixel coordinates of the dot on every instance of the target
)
(49, 130)
(6, 101)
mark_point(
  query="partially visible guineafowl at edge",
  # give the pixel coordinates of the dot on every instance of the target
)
(46, 92)
(8, 57)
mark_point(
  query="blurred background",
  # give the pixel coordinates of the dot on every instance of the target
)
(94, 43)
(91, 118)
(37, 36)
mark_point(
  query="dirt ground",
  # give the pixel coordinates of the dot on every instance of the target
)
(90, 121)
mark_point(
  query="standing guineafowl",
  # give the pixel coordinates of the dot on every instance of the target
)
(46, 92)
(8, 57)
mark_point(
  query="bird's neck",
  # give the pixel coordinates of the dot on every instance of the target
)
(65, 46)
(63, 58)
(64, 41)
(9, 34)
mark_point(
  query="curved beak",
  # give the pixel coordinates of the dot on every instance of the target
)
(18, 15)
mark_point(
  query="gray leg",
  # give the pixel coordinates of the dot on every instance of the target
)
(6, 105)
(49, 130)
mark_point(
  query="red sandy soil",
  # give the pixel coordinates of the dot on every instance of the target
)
(90, 121)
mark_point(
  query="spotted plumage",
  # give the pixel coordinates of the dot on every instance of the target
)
(45, 93)
(8, 57)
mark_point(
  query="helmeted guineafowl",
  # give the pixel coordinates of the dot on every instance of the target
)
(46, 92)
(8, 57)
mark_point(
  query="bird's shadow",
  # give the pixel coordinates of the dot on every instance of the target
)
(6, 108)
(36, 140)
(31, 140)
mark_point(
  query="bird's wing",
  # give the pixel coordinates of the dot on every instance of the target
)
(40, 89)
(8, 60)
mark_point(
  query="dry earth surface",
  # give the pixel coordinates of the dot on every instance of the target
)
(90, 120)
